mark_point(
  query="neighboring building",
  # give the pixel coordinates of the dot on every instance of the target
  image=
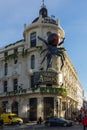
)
(59, 92)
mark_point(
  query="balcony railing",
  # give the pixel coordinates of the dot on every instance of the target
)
(42, 90)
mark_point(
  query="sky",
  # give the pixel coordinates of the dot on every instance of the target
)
(73, 19)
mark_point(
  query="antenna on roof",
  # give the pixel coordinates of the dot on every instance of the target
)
(43, 5)
(43, 2)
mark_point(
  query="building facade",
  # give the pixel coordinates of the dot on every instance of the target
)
(58, 92)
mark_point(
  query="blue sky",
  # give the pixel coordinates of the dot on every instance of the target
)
(73, 19)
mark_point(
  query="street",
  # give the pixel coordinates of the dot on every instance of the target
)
(42, 127)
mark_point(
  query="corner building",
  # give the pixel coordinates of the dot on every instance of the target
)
(59, 92)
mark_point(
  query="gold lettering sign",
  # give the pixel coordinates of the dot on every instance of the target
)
(46, 77)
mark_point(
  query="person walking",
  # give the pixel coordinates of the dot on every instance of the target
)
(84, 122)
(39, 120)
(80, 118)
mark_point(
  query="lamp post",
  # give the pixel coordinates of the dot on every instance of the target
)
(27, 111)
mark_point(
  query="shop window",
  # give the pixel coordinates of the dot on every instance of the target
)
(33, 109)
(14, 107)
(48, 107)
(32, 62)
(15, 84)
(33, 39)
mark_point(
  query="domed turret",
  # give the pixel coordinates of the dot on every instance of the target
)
(42, 12)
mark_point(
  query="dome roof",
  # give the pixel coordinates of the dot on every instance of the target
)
(43, 12)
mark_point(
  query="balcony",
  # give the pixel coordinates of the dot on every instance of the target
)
(58, 91)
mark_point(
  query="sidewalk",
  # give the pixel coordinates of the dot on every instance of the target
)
(34, 124)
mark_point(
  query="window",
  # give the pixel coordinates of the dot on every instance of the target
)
(33, 109)
(48, 107)
(33, 39)
(5, 69)
(49, 85)
(32, 81)
(16, 53)
(15, 84)
(32, 62)
(5, 106)
(14, 107)
(15, 61)
(5, 54)
(5, 86)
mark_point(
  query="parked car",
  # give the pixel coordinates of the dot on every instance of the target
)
(11, 118)
(58, 122)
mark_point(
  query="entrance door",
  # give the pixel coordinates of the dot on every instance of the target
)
(33, 109)
(48, 107)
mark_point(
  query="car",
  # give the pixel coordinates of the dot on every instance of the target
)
(11, 118)
(58, 122)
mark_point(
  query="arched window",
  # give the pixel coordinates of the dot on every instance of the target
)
(32, 62)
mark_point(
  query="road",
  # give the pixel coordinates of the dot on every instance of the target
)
(42, 127)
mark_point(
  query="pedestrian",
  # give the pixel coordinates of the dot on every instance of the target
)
(84, 122)
(80, 118)
(40, 120)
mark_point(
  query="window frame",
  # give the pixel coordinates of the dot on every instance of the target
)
(32, 61)
(15, 84)
(5, 84)
(5, 68)
(16, 53)
(33, 39)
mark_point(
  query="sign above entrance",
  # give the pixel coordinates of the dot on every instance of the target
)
(46, 77)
